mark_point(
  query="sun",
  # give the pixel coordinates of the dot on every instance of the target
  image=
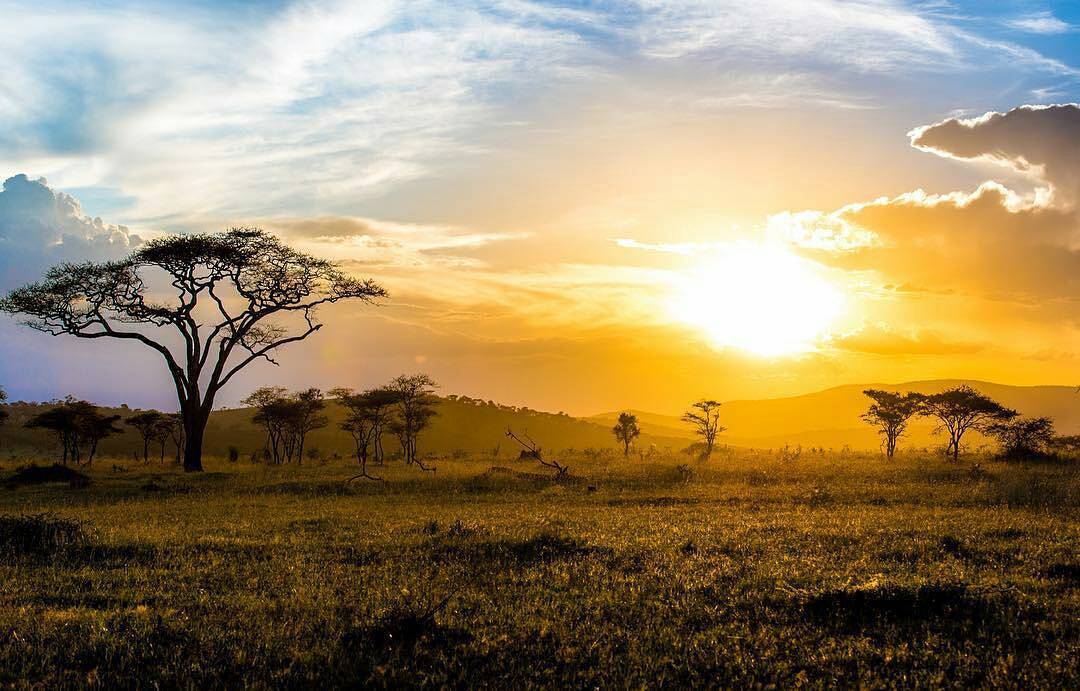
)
(761, 298)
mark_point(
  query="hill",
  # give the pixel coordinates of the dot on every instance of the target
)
(463, 425)
(830, 418)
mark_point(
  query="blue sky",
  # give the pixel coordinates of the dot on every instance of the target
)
(182, 113)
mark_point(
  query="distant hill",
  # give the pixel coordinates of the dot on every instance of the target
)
(830, 418)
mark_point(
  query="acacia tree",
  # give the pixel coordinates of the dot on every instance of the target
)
(365, 414)
(148, 425)
(78, 425)
(306, 417)
(626, 430)
(705, 417)
(265, 401)
(60, 420)
(230, 299)
(960, 409)
(890, 412)
(414, 406)
(1023, 437)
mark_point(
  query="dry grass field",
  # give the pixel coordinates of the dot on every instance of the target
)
(752, 569)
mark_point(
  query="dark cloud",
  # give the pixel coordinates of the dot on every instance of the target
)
(1040, 140)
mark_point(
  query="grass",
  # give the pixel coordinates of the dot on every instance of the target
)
(749, 570)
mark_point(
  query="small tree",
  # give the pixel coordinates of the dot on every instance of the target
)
(626, 430)
(60, 420)
(414, 407)
(171, 428)
(93, 427)
(363, 413)
(265, 400)
(961, 409)
(148, 425)
(307, 416)
(1023, 437)
(230, 298)
(890, 413)
(3, 408)
(78, 425)
(705, 417)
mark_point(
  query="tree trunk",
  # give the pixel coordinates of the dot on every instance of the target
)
(194, 429)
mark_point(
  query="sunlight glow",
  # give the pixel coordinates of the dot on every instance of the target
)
(761, 298)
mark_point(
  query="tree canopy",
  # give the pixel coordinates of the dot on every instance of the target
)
(890, 412)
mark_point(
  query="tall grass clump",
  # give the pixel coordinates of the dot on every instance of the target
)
(39, 535)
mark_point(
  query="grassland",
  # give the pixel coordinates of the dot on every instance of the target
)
(753, 569)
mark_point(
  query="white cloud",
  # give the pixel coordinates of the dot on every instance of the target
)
(869, 36)
(1039, 23)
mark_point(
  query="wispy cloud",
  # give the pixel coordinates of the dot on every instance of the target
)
(1038, 23)
(201, 112)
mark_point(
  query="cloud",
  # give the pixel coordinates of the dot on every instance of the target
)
(881, 340)
(1038, 23)
(201, 111)
(993, 243)
(1041, 141)
(40, 226)
(866, 36)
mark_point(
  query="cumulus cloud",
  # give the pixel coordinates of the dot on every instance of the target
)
(992, 242)
(40, 225)
(1041, 141)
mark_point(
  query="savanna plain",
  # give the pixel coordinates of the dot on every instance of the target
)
(755, 568)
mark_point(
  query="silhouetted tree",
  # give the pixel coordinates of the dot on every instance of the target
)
(94, 427)
(78, 426)
(365, 414)
(172, 429)
(265, 401)
(60, 420)
(3, 408)
(890, 413)
(626, 430)
(414, 406)
(1023, 437)
(148, 425)
(229, 289)
(306, 417)
(961, 409)
(705, 417)
(287, 419)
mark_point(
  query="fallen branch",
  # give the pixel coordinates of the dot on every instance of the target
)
(534, 450)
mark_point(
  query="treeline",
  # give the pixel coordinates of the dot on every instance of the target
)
(958, 411)
(402, 408)
(79, 427)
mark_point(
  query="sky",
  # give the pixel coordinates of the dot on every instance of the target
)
(575, 206)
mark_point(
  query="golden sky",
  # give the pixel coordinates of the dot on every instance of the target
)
(575, 208)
